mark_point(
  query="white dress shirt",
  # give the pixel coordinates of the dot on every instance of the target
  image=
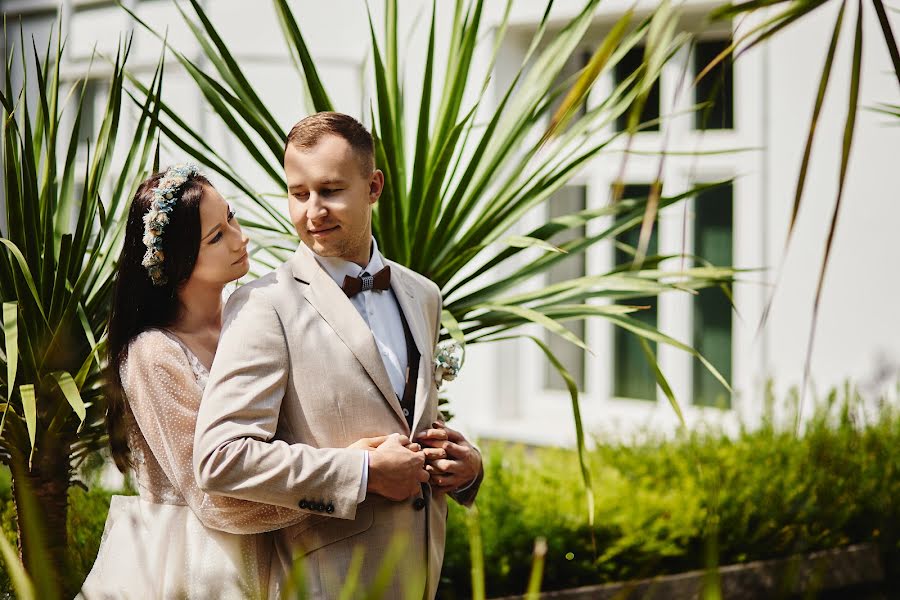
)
(381, 312)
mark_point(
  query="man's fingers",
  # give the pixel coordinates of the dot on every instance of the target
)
(422, 475)
(414, 447)
(455, 450)
(398, 439)
(443, 481)
(442, 464)
(454, 436)
(435, 471)
(434, 453)
(432, 434)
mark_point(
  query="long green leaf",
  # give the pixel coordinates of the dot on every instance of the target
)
(540, 319)
(598, 61)
(11, 335)
(661, 380)
(73, 396)
(849, 129)
(300, 54)
(533, 592)
(889, 38)
(19, 579)
(29, 409)
(651, 333)
(579, 426)
(476, 552)
(449, 322)
(807, 154)
(25, 270)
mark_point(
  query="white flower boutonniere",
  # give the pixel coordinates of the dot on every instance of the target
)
(448, 360)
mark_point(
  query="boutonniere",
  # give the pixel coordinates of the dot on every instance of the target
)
(448, 360)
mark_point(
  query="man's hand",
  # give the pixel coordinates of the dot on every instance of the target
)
(395, 471)
(371, 443)
(374, 442)
(454, 468)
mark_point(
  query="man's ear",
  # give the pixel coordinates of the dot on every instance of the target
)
(376, 186)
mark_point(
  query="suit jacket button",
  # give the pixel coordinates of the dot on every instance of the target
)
(419, 503)
(330, 508)
(304, 504)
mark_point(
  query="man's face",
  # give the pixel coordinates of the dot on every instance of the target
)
(330, 199)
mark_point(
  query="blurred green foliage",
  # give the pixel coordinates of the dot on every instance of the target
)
(663, 505)
(668, 506)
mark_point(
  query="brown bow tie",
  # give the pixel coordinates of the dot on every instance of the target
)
(365, 282)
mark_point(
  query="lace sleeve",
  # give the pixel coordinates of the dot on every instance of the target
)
(164, 397)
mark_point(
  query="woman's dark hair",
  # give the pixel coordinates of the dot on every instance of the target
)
(139, 305)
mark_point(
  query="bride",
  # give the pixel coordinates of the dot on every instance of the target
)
(182, 245)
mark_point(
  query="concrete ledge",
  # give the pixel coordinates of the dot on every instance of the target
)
(819, 571)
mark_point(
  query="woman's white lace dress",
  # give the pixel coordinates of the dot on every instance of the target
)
(175, 541)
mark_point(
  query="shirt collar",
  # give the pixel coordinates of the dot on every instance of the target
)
(338, 268)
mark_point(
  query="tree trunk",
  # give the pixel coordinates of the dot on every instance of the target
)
(41, 497)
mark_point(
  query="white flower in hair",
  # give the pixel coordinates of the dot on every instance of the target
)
(157, 217)
(150, 216)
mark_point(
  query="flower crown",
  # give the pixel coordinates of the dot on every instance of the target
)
(165, 195)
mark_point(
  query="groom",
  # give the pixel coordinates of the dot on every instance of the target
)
(335, 349)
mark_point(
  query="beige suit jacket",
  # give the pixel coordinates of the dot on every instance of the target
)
(297, 378)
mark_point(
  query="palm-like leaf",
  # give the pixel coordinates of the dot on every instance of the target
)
(458, 186)
(55, 274)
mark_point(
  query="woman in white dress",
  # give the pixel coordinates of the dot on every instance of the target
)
(182, 245)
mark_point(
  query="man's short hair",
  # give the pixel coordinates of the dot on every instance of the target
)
(309, 131)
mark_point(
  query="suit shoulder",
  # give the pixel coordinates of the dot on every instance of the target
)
(263, 289)
(422, 281)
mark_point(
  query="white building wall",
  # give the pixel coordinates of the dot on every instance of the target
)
(501, 390)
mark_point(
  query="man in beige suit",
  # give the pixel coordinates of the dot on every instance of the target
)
(322, 394)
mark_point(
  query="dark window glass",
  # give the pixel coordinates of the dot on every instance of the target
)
(629, 64)
(712, 308)
(632, 376)
(716, 87)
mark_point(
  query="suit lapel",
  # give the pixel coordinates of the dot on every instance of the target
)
(333, 305)
(412, 310)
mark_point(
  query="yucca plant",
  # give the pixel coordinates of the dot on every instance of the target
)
(57, 252)
(458, 186)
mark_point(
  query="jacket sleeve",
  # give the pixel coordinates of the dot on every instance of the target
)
(235, 450)
(164, 396)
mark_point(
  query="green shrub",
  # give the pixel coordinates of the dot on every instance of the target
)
(87, 516)
(661, 506)
(671, 506)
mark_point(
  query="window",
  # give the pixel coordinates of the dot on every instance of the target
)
(632, 376)
(712, 309)
(716, 87)
(567, 200)
(631, 62)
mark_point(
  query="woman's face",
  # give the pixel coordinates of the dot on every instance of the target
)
(223, 246)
